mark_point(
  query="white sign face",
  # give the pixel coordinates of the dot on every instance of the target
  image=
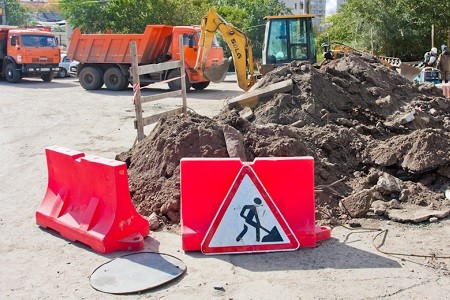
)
(248, 220)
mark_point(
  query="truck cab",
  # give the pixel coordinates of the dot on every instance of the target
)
(28, 53)
(191, 37)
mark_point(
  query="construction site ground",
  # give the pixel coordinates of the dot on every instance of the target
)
(37, 263)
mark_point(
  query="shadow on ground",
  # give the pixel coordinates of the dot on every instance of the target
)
(331, 254)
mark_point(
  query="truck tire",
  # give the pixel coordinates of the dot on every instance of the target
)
(91, 78)
(12, 74)
(199, 86)
(62, 73)
(114, 79)
(47, 77)
(175, 85)
(100, 71)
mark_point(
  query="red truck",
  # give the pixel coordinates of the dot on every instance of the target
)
(28, 53)
(105, 58)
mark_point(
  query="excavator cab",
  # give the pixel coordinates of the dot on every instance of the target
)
(287, 38)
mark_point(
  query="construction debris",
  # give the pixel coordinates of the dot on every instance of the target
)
(255, 95)
(380, 142)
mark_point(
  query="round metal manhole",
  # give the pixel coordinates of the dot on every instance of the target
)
(136, 272)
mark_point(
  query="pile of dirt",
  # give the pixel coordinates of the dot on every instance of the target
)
(379, 142)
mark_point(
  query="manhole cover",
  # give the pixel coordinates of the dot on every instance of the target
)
(136, 272)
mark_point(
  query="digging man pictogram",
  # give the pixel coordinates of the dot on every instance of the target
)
(252, 219)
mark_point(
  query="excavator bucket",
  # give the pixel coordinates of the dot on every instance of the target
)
(217, 73)
(390, 62)
(408, 71)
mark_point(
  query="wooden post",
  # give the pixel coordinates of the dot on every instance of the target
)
(432, 35)
(371, 40)
(448, 37)
(183, 73)
(136, 91)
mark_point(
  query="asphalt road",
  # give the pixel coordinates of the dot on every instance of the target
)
(39, 264)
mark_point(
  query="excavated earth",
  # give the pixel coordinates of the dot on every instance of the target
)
(380, 143)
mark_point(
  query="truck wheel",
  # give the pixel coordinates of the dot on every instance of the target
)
(62, 73)
(115, 80)
(199, 86)
(91, 78)
(47, 77)
(100, 71)
(12, 74)
(175, 85)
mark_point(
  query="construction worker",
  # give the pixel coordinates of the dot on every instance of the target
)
(429, 58)
(443, 63)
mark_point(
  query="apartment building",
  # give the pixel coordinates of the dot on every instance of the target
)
(317, 7)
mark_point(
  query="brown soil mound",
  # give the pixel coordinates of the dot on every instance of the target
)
(379, 141)
(153, 164)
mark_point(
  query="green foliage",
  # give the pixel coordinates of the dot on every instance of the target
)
(432, 12)
(16, 15)
(389, 27)
(90, 16)
(436, 11)
(130, 16)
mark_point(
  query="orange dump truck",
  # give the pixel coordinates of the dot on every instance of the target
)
(28, 53)
(105, 58)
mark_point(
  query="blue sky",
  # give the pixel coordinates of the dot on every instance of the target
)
(331, 7)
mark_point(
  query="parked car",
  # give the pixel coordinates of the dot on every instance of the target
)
(64, 66)
(73, 68)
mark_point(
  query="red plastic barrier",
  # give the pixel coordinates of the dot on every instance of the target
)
(446, 89)
(289, 182)
(88, 200)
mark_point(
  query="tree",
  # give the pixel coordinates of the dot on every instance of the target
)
(388, 27)
(432, 12)
(130, 16)
(88, 15)
(16, 14)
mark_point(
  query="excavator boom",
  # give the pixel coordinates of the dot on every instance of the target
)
(240, 47)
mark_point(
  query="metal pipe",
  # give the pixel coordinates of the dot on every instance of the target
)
(3, 7)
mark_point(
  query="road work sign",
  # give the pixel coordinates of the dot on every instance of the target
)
(232, 206)
(248, 221)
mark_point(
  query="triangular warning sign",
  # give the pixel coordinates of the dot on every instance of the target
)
(248, 221)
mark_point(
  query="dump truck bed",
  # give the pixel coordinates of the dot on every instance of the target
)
(4, 29)
(114, 48)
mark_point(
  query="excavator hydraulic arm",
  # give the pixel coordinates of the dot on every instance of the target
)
(238, 43)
